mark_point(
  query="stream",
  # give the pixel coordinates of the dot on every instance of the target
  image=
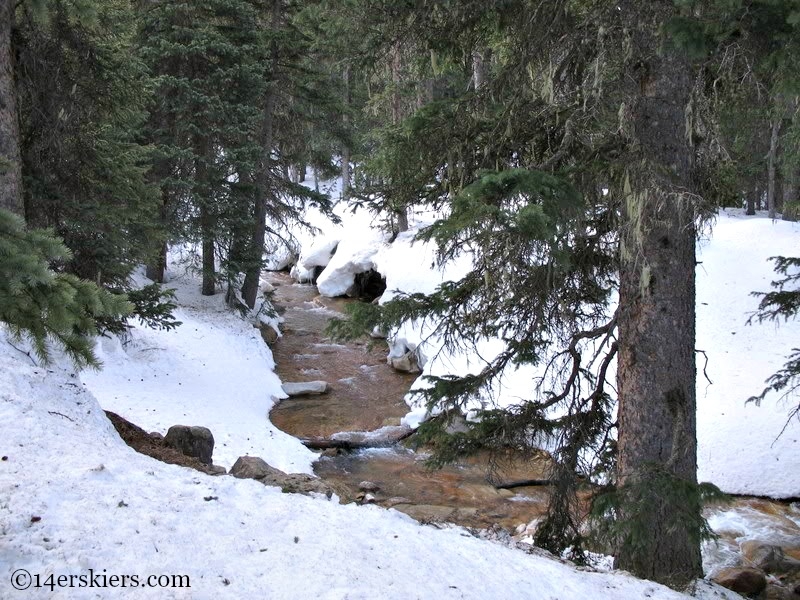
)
(365, 395)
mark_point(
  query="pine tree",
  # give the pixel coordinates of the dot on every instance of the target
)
(43, 305)
(10, 163)
(82, 96)
(575, 140)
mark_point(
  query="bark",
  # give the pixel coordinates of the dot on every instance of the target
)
(399, 207)
(10, 161)
(656, 366)
(156, 268)
(345, 148)
(262, 184)
(202, 150)
(772, 159)
(480, 67)
(790, 200)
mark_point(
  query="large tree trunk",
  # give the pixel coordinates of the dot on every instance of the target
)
(262, 187)
(345, 148)
(399, 207)
(10, 162)
(202, 151)
(656, 367)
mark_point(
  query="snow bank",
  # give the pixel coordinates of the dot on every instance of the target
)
(214, 371)
(74, 497)
(738, 449)
(738, 444)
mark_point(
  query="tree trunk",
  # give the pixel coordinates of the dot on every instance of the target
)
(202, 150)
(10, 161)
(262, 187)
(345, 148)
(399, 206)
(158, 265)
(790, 200)
(480, 67)
(656, 367)
(772, 159)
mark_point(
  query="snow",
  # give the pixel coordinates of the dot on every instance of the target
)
(74, 497)
(740, 448)
(214, 371)
(75, 500)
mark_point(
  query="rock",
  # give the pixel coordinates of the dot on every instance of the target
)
(368, 499)
(192, 441)
(769, 558)
(377, 333)
(217, 470)
(253, 467)
(368, 486)
(743, 580)
(305, 388)
(457, 424)
(407, 363)
(268, 334)
(331, 452)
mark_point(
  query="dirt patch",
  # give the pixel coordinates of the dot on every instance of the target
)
(154, 446)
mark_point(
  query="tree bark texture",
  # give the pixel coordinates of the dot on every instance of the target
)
(772, 159)
(262, 177)
(10, 162)
(656, 366)
(202, 151)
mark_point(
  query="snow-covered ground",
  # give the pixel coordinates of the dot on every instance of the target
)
(79, 508)
(75, 498)
(214, 371)
(740, 449)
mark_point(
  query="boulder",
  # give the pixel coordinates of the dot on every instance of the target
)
(253, 467)
(305, 388)
(743, 580)
(191, 441)
(407, 363)
(368, 486)
(769, 558)
(268, 333)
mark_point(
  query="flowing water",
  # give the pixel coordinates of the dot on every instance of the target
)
(365, 395)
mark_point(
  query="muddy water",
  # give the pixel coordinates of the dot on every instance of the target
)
(365, 394)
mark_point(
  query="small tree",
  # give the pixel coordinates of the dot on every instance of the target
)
(782, 304)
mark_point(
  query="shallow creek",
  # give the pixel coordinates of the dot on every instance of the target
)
(365, 395)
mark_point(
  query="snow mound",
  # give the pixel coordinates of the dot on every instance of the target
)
(75, 500)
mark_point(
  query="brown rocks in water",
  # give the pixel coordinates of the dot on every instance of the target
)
(305, 388)
(769, 558)
(192, 441)
(743, 580)
(268, 334)
(368, 486)
(253, 467)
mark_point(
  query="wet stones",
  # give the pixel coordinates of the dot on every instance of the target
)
(305, 388)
